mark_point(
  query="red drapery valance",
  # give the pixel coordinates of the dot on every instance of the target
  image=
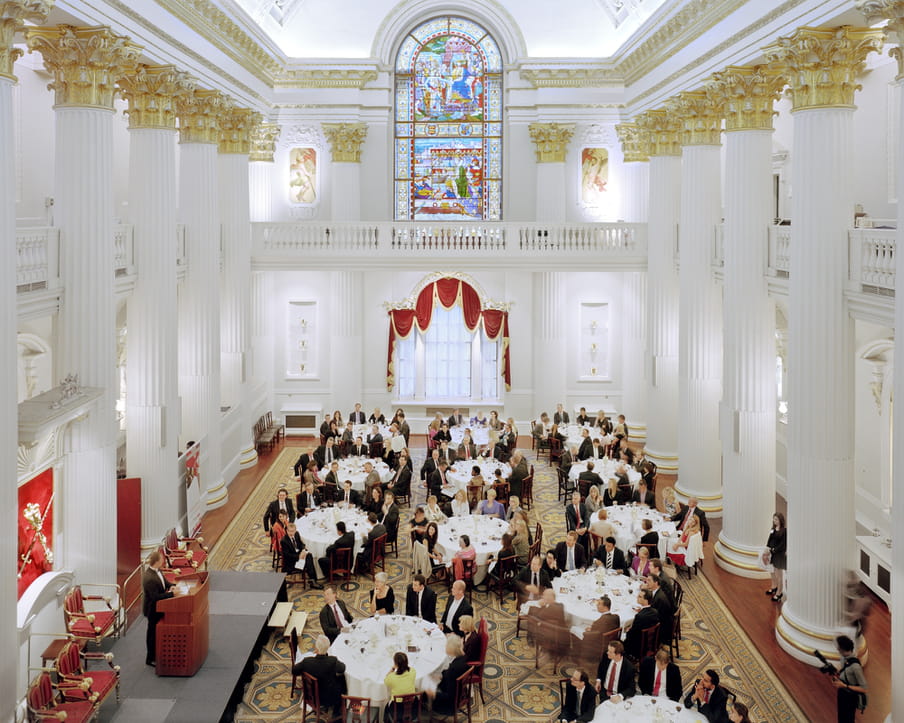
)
(448, 292)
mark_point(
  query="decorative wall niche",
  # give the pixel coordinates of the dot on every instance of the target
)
(301, 340)
(593, 358)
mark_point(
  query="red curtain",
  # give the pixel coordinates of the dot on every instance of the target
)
(448, 292)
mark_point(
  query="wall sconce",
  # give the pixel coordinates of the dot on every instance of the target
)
(593, 347)
(593, 325)
(303, 344)
(593, 371)
(304, 323)
(301, 366)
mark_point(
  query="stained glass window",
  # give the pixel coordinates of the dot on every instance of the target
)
(448, 123)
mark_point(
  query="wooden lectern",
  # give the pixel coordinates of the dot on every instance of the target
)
(184, 630)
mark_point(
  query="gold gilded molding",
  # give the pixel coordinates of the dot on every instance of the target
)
(325, 78)
(592, 77)
(236, 129)
(345, 140)
(151, 93)
(263, 142)
(551, 140)
(821, 65)
(747, 94)
(893, 11)
(85, 63)
(699, 117)
(199, 116)
(662, 132)
(13, 16)
(635, 142)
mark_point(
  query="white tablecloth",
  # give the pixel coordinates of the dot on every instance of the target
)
(626, 519)
(644, 709)
(367, 650)
(484, 532)
(318, 529)
(574, 435)
(605, 468)
(353, 468)
(479, 436)
(362, 430)
(459, 475)
(578, 592)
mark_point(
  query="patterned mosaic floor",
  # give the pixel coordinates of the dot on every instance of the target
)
(515, 691)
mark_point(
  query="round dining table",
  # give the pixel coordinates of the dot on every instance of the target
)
(353, 468)
(627, 521)
(605, 468)
(645, 709)
(578, 591)
(318, 529)
(459, 474)
(479, 436)
(485, 533)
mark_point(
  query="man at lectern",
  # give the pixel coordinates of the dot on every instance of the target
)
(155, 588)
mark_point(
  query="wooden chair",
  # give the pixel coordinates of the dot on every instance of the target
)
(469, 570)
(679, 592)
(358, 710)
(586, 651)
(462, 698)
(392, 539)
(376, 559)
(538, 534)
(674, 641)
(46, 703)
(502, 578)
(554, 638)
(376, 450)
(293, 652)
(565, 487)
(475, 495)
(477, 665)
(502, 492)
(341, 565)
(649, 641)
(310, 702)
(555, 450)
(76, 683)
(405, 708)
(527, 492)
(93, 625)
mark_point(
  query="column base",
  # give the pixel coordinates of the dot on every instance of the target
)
(216, 496)
(799, 639)
(638, 432)
(248, 458)
(666, 461)
(739, 559)
(710, 504)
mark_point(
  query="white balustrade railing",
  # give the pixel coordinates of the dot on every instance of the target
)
(872, 257)
(123, 249)
(718, 245)
(780, 250)
(37, 257)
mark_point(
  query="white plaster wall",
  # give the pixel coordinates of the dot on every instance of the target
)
(519, 183)
(35, 140)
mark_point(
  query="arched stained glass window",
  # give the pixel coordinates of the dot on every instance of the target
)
(448, 129)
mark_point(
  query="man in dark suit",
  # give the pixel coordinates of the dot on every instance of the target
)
(400, 484)
(348, 434)
(357, 417)
(348, 496)
(374, 437)
(659, 676)
(445, 453)
(643, 496)
(586, 449)
(282, 503)
(378, 529)
(533, 580)
(430, 464)
(577, 518)
(519, 472)
(597, 450)
(329, 671)
(561, 416)
(589, 478)
(359, 449)
(615, 675)
(610, 557)
(332, 479)
(326, 453)
(546, 622)
(302, 464)
(663, 605)
(708, 698)
(683, 516)
(665, 582)
(569, 554)
(293, 549)
(420, 600)
(580, 698)
(334, 615)
(345, 539)
(467, 449)
(325, 426)
(650, 538)
(456, 606)
(437, 479)
(455, 419)
(155, 587)
(646, 617)
(389, 513)
(444, 698)
(308, 499)
(568, 458)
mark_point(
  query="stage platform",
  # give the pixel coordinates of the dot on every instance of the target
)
(240, 604)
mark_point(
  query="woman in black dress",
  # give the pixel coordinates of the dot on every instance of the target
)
(777, 545)
(382, 598)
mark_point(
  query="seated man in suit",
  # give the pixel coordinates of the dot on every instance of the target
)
(371, 479)
(646, 617)
(467, 449)
(665, 582)
(610, 557)
(445, 453)
(357, 416)
(561, 416)
(431, 464)
(326, 453)
(615, 675)
(328, 670)
(663, 605)
(586, 449)
(374, 436)
(443, 435)
(345, 539)
(389, 513)
(302, 464)
(659, 676)
(589, 478)
(546, 623)
(683, 516)
(359, 449)
(293, 550)
(334, 615)
(532, 580)
(577, 518)
(650, 537)
(456, 419)
(708, 698)
(400, 484)
(579, 705)
(308, 500)
(643, 496)
(282, 503)
(378, 529)
(520, 470)
(456, 606)
(587, 648)
(420, 600)
(608, 620)
(348, 434)
(349, 497)
(332, 479)
(569, 554)
(437, 479)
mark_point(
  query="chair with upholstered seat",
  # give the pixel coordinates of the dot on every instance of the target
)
(477, 665)
(293, 653)
(405, 708)
(462, 700)
(45, 702)
(76, 683)
(102, 618)
(358, 710)
(341, 565)
(184, 551)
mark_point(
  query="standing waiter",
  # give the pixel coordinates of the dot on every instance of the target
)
(155, 588)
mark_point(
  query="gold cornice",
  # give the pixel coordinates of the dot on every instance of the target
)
(325, 78)
(199, 116)
(635, 142)
(13, 16)
(662, 132)
(85, 63)
(821, 65)
(151, 93)
(748, 94)
(551, 140)
(893, 11)
(263, 142)
(699, 116)
(593, 77)
(236, 129)
(345, 140)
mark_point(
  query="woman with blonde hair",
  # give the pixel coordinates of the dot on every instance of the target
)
(470, 643)
(670, 502)
(520, 541)
(594, 501)
(611, 495)
(460, 506)
(433, 511)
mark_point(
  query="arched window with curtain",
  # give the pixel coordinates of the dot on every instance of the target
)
(448, 129)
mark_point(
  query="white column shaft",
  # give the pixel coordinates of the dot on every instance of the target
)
(87, 336)
(820, 460)
(345, 190)
(346, 323)
(152, 391)
(260, 184)
(549, 342)
(748, 386)
(636, 196)
(551, 192)
(700, 330)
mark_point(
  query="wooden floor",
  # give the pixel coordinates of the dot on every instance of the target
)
(755, 612)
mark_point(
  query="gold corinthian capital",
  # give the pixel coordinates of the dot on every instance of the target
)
(236, 130)
(747, 94)
(13, 16)
(345, 140)
(635, 142)
(86, 63)
(699, 117)
(662, 132)
(551, 140)
(892, 10)
(821, 65)
(263, 142)
(152, 93)
(199, 115)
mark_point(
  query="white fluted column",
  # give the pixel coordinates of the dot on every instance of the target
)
(262, 330)
(551, 140)
(549, 343)
(346, 338)
(152, 391)
(820, 461)
(747, 415)
(199, 295)
(345, 141)
(662, 289)
(83, 196)
(260, 171)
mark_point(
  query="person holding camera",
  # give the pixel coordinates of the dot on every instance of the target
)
(849, 681)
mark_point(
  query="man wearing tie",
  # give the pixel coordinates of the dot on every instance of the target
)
(533, 579)
(610, 557)
(282, 503)
(420, 600)
(349, 496)
(577, 518)
(659, 676)
(561, 416)
(709, 698)
(308, 500)
(683, 516)
(455, 419)
(293, 549)
(357, 417)
(580, 699)
(155, 588)
(615, 675)
(569, 554)
(467, 449)
(445, 453)
(326, 453)
(334, 616)
(359, 449)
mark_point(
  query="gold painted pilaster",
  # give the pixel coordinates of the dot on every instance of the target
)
(199, 116)
(662, 132)
(86, 63)
(263, 142)
(551, 140)
(892, 10)
(345, 140)
(699, 117)
(635, 142)
(236, 130)
(747, 94)
(152, 93)
(13, 16)
(821, 65)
